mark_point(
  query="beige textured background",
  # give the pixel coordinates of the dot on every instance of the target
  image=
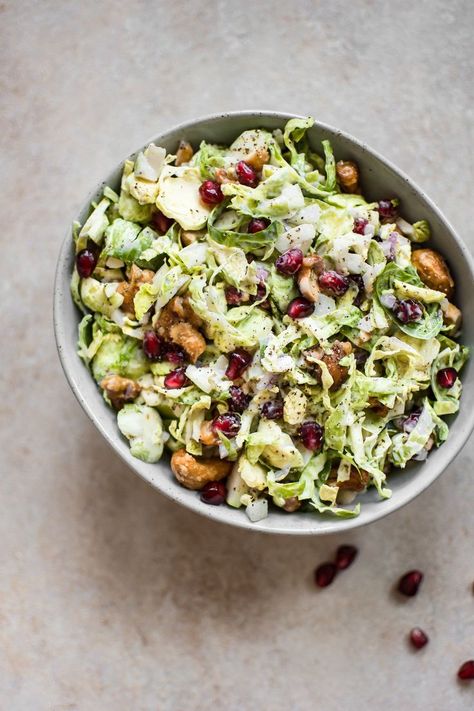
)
(111, 597)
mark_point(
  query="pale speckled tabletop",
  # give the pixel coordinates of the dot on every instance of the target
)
(112, 597)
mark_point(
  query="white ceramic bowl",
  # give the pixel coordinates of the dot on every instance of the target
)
(380, 179)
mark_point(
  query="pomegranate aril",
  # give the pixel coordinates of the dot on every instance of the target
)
(239, 360)
(152, 345)
(233, 296)
(325, 574)
(174, 353)
(257, 224)
(446, 377)
(214, 493)
(466, 670)
(345, 556)
(333, 284)
(246, 175)
(407, 310)
(418, 638)
(360, 223)
(300, 308)
(410, 582)
(176, 379)
(311, 434)
(211, 192)
(228, 423)
(272, 409)
(86, 260)
(409, 423)
(289, 262)
(161, 222)
(238, 400)
(388, 209)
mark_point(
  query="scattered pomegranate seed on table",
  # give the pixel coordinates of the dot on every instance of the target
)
(152, 345)
(228, 423)
(176, 379)
(418, 638)
(466, 670)
(85, 263)
(214, 493)
(289, 262)
(446, 377)
(211, 192)
(325, 574)
(300, 308)
(246, 175)
(410, 582)
(257, 224)
(239, 360)
(345, 556)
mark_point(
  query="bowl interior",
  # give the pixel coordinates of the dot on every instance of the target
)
(380, 179)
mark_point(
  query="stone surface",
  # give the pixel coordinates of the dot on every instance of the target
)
(111, 597)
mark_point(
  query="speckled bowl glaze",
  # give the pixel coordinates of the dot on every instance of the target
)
(380, 179)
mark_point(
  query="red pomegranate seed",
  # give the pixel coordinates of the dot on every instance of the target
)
(246, 175)
(418, 638)
(152, 345)
(466, 670)
(300, 308)
(239, 360)
(446, 377)
(233, 296)
(360, 223)
(214, 493)
(311, 434)
(410, 582)
(174, 353)
(325, 574)
(289, 262)
(228, 423)
(257, 224)
(388, 209)
(345, 556)
(407, 310)
(272, 409)
(333, 284)
(161, 222)
(211, 192)
(238, 400)
(176, 379)
(85, 262)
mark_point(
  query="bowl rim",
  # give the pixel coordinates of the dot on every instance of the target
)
(320, 526)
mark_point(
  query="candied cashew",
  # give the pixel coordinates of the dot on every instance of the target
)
(258, 158)
(184, 153)
(292, 504)
(357, 481)
(433, 270)
(338, 351)
(179, 323)
(452, 316)
(208, 436)
(128, 289)
(194, 472)
(348, 176)
(307, 277)
(120, 390)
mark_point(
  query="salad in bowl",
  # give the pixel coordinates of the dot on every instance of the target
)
(245, 307)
